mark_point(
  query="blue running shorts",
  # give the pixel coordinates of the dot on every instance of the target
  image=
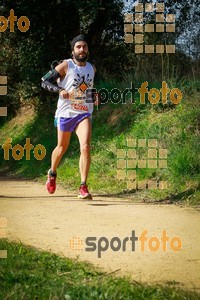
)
(69, 124)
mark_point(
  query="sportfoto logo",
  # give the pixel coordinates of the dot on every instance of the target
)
(141, 154)
(145, 243)
(164, 22)
(3, 92)
(18, 151)
(3, 227)
(153, 95)
(23, 22)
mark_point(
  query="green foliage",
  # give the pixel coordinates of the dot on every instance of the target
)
(28, 273)
(25, 57)
(175, 127)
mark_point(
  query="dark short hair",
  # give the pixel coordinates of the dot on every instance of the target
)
(78, 38)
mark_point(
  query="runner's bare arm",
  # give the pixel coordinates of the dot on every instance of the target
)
(96, 96)
(62, 69)
(94, 69)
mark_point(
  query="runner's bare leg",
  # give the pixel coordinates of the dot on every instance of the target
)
(62, 145)
(83, 131)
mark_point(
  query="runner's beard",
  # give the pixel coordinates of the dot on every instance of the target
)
(81, 59)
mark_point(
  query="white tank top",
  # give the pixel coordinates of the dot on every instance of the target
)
(77, 80)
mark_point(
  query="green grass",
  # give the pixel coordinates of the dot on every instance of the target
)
(176, 128)
(28, 273)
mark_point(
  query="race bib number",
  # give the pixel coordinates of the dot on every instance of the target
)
(80, 107)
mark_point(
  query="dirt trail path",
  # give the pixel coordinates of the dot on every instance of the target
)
(50, 222)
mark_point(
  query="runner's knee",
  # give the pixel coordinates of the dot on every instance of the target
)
(61, 149)
(85, 148)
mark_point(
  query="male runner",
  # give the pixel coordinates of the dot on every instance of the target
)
(72, 79)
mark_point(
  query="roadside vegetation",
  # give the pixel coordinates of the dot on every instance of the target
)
(176, 128)
(28, 273)
(26, 57)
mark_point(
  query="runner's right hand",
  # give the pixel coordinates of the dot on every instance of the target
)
(65, 94)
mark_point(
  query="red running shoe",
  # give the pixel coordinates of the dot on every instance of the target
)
(51, 182)
(84, 193)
